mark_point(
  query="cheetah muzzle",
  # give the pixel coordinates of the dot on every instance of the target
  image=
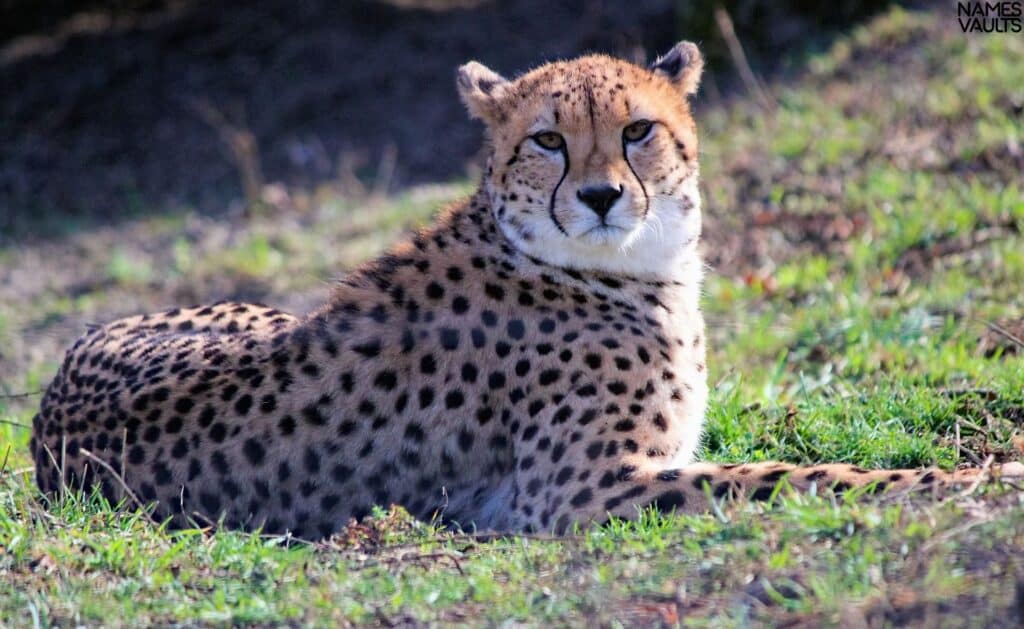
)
(533, 360)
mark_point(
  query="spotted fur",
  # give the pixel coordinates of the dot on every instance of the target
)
(525, 364)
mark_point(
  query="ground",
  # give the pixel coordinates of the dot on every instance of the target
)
(865, 232)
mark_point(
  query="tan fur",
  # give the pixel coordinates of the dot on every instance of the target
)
(518, 366)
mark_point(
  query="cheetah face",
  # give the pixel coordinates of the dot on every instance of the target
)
(594, 161)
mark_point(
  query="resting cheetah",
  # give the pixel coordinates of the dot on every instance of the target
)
(534, 360)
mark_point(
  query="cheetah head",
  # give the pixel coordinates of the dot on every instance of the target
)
(593, 161)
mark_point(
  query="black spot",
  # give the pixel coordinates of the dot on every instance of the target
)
(253, 451)
(210, 503)
(434, 290)
(286, 425)
(454, 399)
(427, 364)
(669, 501)
(243, 404)
(668, 476)
(312, 414)
(136, 455)
(218, 432)
(617, 387)
(700, 480)
(582, 497)
(180, 448)
(311, 461)
(465, 440)
(386, 380)
(562, 415)
(624, 425)
(478, 337)
(341, 473)
(426, 396)
(494, 291)
(550, 376)
(219, 462)
(516, 329)
(817, 475)
(369, 349)
(449, 338)
(484, 414)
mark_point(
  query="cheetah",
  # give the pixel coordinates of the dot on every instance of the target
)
(533, 361)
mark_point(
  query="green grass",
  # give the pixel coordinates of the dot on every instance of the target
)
(882, 221)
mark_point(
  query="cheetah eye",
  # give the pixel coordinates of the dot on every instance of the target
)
(637, 130)
(549, 140)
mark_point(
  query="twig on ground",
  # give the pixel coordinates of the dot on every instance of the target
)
(240, 142)
(14, 423)
(983, 475)
(385, 172)
(16, 396)
(1003, 332)
(420, 557)
(739, 59)
(128, 491)
(987, 394)
(950, 534)
(962, 450)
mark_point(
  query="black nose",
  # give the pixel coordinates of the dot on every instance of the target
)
(600, 198)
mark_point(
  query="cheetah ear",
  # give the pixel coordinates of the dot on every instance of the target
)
(481, 89)
(682, 65)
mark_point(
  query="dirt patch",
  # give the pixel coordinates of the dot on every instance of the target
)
(921, 258)
(1002, 338)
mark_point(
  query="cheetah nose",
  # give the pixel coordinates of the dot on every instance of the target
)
(600, 198)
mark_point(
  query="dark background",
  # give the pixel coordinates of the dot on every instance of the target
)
(110, 109)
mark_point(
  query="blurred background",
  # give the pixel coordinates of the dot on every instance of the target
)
(159, 153)
(113, 106)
